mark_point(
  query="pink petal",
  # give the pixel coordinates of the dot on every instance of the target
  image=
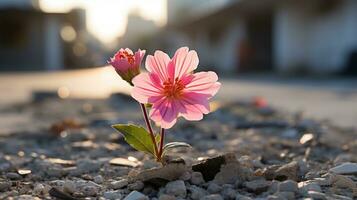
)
(204, 83)
(158, 64)
(144, 88)
(139, 55)
(164, 112)
(185, 61)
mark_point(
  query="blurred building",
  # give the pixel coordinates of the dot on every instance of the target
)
(31, 39)
(314, 36)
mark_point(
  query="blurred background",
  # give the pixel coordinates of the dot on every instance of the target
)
(306, 37)
(299, 54)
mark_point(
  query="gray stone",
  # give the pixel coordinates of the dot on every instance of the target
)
(196, 192)
(185, 176)
(118, 184)
(288, 186)
(274, 197)
(212, 197)
(176, 188)
(39, 189)
(288, 171)
(286, 195)
(27, 197)
(242, 197)
(166, 197)
(257, 186)
(135, 195)
(88, 166)
(228, 193)
(90, 190)
(345, 168)
(98, 179)
(316, 195)
(69, 186)
(137, 185)
(113, 195)
(197, 178)
(13, 176)
(214, 188)
(4, 186)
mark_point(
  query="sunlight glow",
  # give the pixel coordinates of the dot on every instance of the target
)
(107, 19)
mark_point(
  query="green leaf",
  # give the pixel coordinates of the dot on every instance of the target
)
(136, 136)
(172, 145)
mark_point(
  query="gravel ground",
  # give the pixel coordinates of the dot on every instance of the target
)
(66, 149)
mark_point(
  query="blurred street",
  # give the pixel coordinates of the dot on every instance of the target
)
(334, 99)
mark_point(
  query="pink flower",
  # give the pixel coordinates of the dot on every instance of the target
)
(127, 64)
(173, 89)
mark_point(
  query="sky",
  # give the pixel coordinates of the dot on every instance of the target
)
(107, 19)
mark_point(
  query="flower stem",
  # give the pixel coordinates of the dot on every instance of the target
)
(146, 118)
(162, 141)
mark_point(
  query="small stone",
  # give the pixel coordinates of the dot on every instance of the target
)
(39, 189)
(88, 166)
(257, 186)
(166, 197)
(316, 195)
(242, 197)
(196, 192)
(4, 186)
(69, 186)
(123, 162)
(197, 178)
(137, 185)
(306, 186)
(345, 168)
(176, 188)
(13, 176)
(98, 179)
(212, 197)
(308, 137)
(89, 190)
(113, 195)
(228, 193)
(288, 186)
(118, 184)
(135, 195)
(214, 188)
(288, 171)
(286, 195)
(24, 171)
(185, 176)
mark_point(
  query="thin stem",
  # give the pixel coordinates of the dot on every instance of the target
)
(146, 118)
(162, 141)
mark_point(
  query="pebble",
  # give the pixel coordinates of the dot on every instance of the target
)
(98, 179)
(176, 188)
(257, 186)
(89, 190)
(288, 171)
(288, 186)
(13, 176)
(197, 178)
(166, 197)
(316, 195)
(286, 195)
(185, 176)
(213, 188)
(212, 197)
(228, 193)
(196, 192)
(135, 195)
(118, 184)
(137, 185)
(306, 186)
(39, 189)
(113, 195)
(345, 168)
(4, 186)
(88, 166)
(69, 186)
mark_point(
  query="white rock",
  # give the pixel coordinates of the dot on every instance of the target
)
(176, 188)
(306, 186)
(135, 195)
(345, 168)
